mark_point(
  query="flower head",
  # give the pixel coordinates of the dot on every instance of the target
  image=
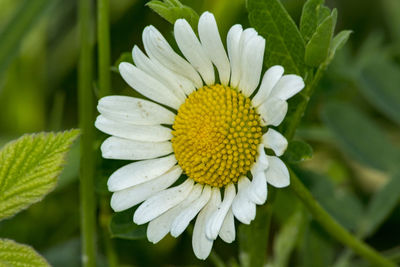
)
(215, 134)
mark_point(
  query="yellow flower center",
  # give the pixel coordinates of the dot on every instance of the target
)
(215, 135)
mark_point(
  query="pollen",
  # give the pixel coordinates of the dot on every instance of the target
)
(215, 135)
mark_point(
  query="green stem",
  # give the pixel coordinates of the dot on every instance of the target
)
(334, 228)
(103, 38)
(105, 218)
(85, 105)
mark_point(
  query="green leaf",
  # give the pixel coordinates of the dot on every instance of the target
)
(338, 42)
(360, 137)
(284, 44)
(171, 10)
(379, 82)
(318, 47)
(13, 254)
(323, 13)
(382, 204)
(29, 168)
(122, 226)
(297, 151)
(309, 18)
(287, 238)
(21, 23)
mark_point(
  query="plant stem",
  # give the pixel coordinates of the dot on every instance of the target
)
(85, 105)
(103, 38)
(334, 228)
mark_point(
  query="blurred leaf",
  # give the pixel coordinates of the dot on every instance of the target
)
(124, 57)
(253, 238)
(379, 82)
(29, 168)
(360, 137)
(323, 13)
(22, 22)
(70, 171)
(284, 44)
(17, 255)
(287, 238)
(309, 18)
(318, 46)
(65, 254)
(122, 226)
(171, 10)
(298, 151)
(338, 42)
(382, 204)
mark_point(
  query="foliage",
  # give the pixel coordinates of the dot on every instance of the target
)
(14, 254)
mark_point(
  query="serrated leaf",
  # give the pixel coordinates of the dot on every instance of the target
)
(122, 226)
(338, 42)
(318, 47)
(360, 137)
(29, 168)
(284, 44)
(13, 254)
(309, 18)
(379, 82)
(171, 10)
(298, 151)
(381, 205)
(287, 237)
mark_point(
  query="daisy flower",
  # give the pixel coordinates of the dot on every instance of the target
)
(198, 144)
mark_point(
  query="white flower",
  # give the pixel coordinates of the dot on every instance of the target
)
(216, 138)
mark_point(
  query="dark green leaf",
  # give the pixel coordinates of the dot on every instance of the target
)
(379, 82)
(29, 168)
(381, 205)
(171, 10)
(318, 47)
(13, 254)
(298, 151)
(122, 226)
(360, 137)
(309, 18)
(284, 44)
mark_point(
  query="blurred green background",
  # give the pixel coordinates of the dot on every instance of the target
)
(352, 123)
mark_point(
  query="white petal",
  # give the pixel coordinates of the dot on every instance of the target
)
(214, 223)
(257, 190)
(159, 72)
(242, 207)
(233, 45)
(251, 64)
(185, 216)
(161, 202)
(148, 86)
(270, 79)
(273, 111)
(149, 133)
(157, 47)
(139, 172)
(134, 110)
(193, 50)
(120, 148)
(200, 243)
(129, 197)
(277, 173)
(227, 232)
(160, 226)
(211, 41)
(245, 37)
(274, 140)
(288, 86)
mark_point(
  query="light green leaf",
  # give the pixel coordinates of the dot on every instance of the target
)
(360, 137)
(309, 18)
(318, 47)
(13, 254)
(323, 13)
(29, 168)
(21, 23)
(298, 151)
(287, 238)
(379, 82)
(381, 205)
(171, 10)
(122, 226)
(338, 42)
(284, 44)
